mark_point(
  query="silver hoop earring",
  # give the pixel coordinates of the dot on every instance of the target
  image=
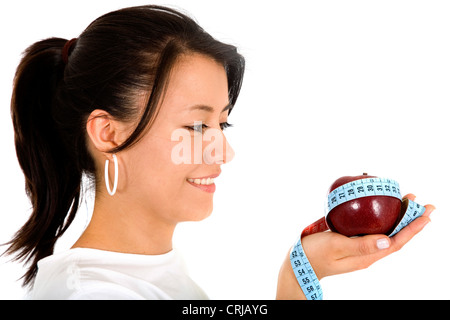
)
(116, 175)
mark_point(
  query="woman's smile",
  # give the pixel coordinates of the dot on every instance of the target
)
(204, 183)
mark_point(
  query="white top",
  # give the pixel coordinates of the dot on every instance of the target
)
(82, 273)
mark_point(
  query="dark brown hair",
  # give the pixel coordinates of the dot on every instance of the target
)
(119, 55)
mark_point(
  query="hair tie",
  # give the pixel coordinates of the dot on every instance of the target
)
(67, 49)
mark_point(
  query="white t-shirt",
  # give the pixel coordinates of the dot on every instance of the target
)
(82, 273)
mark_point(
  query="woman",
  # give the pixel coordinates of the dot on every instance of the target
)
(131, 103)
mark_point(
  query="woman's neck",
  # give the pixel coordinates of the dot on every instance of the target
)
(120, 226)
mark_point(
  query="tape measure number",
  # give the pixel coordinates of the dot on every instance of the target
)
(304, 273)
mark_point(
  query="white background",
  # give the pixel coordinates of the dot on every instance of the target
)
(332, 88)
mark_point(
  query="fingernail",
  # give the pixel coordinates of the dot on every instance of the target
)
(382, 243)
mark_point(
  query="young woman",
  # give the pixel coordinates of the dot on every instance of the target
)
(130, 103)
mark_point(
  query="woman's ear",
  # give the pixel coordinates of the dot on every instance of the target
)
(103, 130)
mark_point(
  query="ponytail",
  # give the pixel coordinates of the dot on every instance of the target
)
(52, 176)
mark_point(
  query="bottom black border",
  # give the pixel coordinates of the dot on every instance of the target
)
(226, 309)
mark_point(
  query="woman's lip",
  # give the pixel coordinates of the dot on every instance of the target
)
(210, 188)
(206, 177)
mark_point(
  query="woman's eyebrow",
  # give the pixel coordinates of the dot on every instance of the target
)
(208, 108)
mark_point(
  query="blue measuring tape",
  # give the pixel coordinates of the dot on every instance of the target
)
(306, 277)
(304, 272)
(362, 188)
(413, 211)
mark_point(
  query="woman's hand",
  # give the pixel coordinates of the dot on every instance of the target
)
(331, 253)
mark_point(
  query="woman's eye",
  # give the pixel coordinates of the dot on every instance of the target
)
(197, 127)
(225, 125)
(201, 127)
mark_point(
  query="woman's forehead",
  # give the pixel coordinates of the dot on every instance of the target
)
(197, 83)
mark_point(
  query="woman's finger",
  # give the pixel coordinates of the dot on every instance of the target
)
(366, 245)
(408, 232)
(410, 196)
(429, 208)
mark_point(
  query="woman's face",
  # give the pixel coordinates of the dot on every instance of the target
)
(167, 171)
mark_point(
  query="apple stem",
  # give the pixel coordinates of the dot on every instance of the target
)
(365, 174)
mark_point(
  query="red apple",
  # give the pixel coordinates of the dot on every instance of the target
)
(367, 215)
